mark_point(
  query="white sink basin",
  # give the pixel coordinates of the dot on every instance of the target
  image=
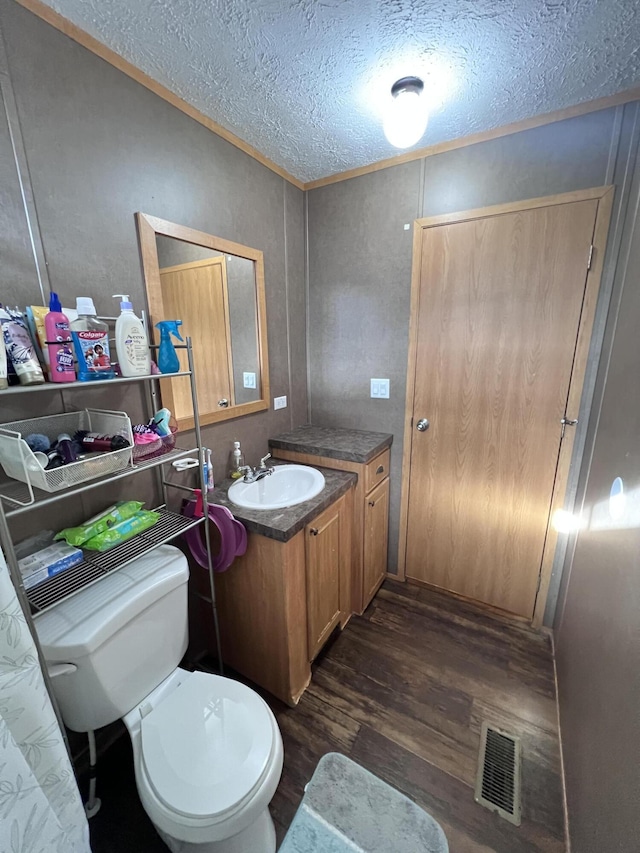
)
(287, 486)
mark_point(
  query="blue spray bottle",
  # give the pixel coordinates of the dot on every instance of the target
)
(168, 361)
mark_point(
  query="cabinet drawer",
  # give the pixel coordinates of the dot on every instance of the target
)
(376, 470)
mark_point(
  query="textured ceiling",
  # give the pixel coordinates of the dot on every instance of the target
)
(304, 81)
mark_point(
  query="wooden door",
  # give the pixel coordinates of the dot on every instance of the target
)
(500, 299)
(323, 558)
(196, 293)
(376, 537)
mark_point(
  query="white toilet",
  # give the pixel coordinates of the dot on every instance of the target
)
(207, 750)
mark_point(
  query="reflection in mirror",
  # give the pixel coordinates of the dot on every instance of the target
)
(232, 282)
(217, 289)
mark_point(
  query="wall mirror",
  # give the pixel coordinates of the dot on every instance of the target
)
(216, 287)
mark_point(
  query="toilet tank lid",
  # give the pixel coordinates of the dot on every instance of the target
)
(81, 624)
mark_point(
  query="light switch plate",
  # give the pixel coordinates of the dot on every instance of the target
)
(380, 389)
(280, 402)
(249, 380)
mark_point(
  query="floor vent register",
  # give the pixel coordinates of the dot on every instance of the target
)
(498, 780)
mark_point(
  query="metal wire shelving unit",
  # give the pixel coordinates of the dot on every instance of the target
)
(19, 499)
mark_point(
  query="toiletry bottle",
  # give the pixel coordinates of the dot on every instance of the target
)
(94, 442)
(66, 449)
(4, 382)
(19, 346)
(59, 344)
(55, 460)
(205, 469)
(34, 315)
(91, 342)
(236, 461)
(132, 345)
(160, 422)
(168, 361)
(210, 481)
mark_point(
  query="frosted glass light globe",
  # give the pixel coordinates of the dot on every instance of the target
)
(406, 116)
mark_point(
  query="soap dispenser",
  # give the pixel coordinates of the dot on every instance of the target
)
(132, 344)
(236, 461)
(91, 342)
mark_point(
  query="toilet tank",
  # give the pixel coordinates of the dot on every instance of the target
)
(119, 637)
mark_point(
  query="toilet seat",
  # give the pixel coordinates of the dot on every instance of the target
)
(207, 747)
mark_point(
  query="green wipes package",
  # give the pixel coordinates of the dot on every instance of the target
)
(100, 523)
(122, 531)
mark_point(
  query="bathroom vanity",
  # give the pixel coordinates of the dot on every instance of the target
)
(365, 454)
(281, 600)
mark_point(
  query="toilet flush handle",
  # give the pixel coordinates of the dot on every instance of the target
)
(55, 669)
(145, 709)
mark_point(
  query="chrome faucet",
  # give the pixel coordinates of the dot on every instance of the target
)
(252, 475)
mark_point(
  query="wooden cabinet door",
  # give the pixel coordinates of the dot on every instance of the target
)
(323, 558)
(376, 538)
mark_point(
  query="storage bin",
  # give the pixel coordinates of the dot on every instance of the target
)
(163, 444)
(19, 462)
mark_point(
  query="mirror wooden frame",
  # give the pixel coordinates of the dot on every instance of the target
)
(148, 228)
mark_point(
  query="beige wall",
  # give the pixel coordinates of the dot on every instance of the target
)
(598, 622)
(100, 147)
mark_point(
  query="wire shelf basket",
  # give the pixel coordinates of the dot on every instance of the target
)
(163, 444)
(20, 463)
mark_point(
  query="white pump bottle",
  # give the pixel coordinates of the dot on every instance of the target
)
(132, 343)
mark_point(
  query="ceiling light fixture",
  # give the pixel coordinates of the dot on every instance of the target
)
(406, 118)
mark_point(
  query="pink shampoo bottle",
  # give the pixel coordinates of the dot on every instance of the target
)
(56, 327)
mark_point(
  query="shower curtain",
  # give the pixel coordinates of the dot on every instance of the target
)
(40, 806)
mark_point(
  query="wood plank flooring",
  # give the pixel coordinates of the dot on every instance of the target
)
(404, 690)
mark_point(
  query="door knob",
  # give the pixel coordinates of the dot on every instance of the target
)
(422, 425)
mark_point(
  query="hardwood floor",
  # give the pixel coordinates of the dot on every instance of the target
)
(404, 690)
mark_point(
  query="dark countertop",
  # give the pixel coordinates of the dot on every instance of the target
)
(352, 445)
(283, 524)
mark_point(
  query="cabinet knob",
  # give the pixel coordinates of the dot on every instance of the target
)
(314, 531)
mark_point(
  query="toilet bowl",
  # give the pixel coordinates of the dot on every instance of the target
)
(207, 749)
(208, 757)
